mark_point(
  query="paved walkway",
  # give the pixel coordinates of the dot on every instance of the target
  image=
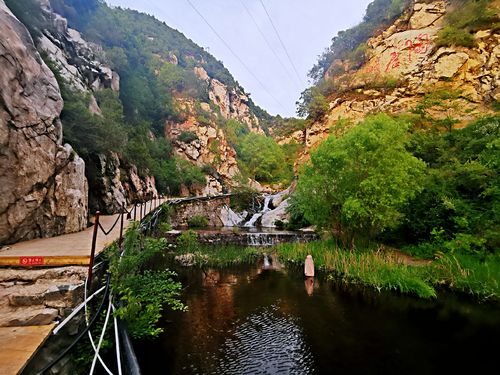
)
(19, 344)
(64, 250)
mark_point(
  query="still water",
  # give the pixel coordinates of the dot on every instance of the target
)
(250, 320)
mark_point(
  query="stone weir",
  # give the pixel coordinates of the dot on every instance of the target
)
(239, 236)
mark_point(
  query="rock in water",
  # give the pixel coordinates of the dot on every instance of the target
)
(43, 189)
(309, 266)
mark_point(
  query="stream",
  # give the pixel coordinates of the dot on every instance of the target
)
(257, 319)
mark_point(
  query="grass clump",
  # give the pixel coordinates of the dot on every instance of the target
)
(467, 273)
(373, 268)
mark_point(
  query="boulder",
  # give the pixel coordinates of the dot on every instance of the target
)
(270, 218)
(449, 64)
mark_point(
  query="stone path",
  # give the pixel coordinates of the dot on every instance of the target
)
(32, 295)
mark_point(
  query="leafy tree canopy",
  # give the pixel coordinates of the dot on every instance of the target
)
(359, 183)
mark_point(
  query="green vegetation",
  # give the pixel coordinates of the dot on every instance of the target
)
(434, 193)
(198, 221)
(358, 184)
(263, 159)
(220, 256)
(143, 293)
(456, 211)
(371, 267)
(463, 19)
(378, 268)
(187, 137)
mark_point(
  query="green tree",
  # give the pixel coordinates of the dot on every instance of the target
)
(359, 183)
(262, 158)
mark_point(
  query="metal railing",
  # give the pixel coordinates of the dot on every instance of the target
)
(137, 211)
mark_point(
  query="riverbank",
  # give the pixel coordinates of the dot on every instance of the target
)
(380, 268)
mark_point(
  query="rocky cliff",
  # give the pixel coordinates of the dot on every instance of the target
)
(81, 64)
(208, 145)
(404, 67)
(43, 189)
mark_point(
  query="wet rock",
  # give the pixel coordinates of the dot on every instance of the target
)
(270, 218)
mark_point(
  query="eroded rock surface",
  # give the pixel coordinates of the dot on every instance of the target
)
(43, 189)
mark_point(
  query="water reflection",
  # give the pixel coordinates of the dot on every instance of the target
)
(259, 320)
(309, 283)
(266, 342)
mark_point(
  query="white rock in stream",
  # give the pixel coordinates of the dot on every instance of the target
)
(279, 213)
(230, 218)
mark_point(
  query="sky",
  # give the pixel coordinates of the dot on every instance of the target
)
(274, 79)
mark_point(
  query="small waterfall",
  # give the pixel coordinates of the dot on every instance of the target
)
(251, 223)
(267, 263)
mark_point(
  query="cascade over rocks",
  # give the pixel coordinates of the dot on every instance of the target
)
(43, 189)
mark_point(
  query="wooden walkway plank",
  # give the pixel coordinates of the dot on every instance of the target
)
(67, 249)
(19, 344)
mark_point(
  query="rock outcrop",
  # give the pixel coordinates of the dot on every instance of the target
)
(43, 189)
(403, 66)
(232, 102)
(78, 61)
(116, 184)
(207, 147)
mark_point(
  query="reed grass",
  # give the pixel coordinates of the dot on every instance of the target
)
(223, 256)
(376, 267)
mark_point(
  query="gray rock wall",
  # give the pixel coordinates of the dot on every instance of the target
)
(43, 189)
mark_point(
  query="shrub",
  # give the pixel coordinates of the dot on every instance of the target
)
(451, 36)
(197, 221)
(187, 137)
(358, 184)
(188, 241)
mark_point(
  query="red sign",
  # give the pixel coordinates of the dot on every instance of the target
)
(31, 261)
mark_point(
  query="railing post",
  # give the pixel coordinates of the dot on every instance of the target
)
(92, 250)
(140, 215)
(135, 211)
(120, 240)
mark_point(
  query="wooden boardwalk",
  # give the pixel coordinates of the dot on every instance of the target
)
(19, 344)
(64, 250)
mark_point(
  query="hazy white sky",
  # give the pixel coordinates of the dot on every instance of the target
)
(305, 27)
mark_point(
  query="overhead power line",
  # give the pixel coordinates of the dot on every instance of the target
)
(281, 41)
(235, 55)
(290, 76)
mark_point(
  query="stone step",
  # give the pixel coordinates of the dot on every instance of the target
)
(31, 316)
(50, 294)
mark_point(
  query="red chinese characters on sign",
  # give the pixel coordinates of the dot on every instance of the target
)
(31, 261)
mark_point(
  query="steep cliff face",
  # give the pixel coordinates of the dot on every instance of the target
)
(209, 146)
(80, 63)
(233, 103)
(43, 189)
(404, 67)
